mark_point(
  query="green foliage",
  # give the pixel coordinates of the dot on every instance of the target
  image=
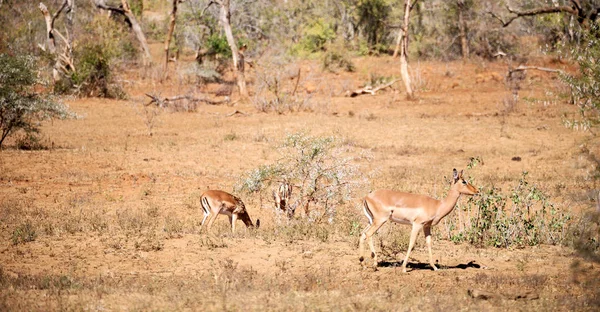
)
(525, 217)
(322, 174)
(137, 7)
(218, 44)
(373, 16)
(315, 36)
(585, 87)
(20, 107)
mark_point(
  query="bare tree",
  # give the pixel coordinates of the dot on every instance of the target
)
(125, 10)
(64, 60)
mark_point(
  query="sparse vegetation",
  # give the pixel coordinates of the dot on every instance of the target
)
(103, 213)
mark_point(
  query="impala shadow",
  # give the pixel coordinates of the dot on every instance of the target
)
(427, 266)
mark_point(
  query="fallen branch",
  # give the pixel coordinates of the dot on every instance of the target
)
(237, 112)
(485, 295)
(523, 68)
(371, 90)
(164, 102)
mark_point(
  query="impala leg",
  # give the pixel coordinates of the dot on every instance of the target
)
(369, 234)
(211, 220)
(361, 243)
(232, 219)
(203, 220)
(413, 237)
(427, 232)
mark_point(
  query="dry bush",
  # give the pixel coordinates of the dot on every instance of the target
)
(322, 171)
(277, 87)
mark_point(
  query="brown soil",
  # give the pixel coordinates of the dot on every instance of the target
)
(116, 210)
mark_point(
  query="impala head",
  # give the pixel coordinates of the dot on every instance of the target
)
(245, 217)
(462, 185)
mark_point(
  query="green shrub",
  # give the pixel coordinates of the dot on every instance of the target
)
(585, 87)
(314, 37)
(218, 44)
(524, 217)
(21, 108)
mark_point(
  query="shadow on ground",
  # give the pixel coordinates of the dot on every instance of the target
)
(426, 266)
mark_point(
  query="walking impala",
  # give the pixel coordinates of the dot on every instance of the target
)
(420, 211)
(215, 202)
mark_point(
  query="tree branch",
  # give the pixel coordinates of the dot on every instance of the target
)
(575, 11)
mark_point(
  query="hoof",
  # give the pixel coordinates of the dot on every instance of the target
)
(361, 259)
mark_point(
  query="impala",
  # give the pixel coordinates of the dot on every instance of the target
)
(282, 199)
(215, 202)
(420, 211)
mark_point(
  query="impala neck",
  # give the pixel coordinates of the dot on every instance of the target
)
(447, 204)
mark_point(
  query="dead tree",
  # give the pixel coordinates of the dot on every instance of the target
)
(130, 19)
(583, 13)
(238, 62)
(404, 51)
(64, 59)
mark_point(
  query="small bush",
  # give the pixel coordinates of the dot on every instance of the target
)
(277, 90)
(321, 170)
(334, 60)
(23, 233)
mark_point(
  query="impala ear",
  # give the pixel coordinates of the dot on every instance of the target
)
(455, 174)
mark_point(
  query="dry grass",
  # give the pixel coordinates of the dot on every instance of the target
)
(109, 218)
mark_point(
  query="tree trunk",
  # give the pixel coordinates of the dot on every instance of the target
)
(404, 52)
(462, 28)
(398, 42)
(170, 34)
(137, 30)
(238, 64)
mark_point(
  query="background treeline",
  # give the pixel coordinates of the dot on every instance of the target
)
(441, 30)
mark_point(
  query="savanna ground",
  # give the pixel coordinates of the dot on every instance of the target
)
(108, 217)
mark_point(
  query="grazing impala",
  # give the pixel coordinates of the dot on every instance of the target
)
(420, 211)
(282, 199)
(216, 202)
